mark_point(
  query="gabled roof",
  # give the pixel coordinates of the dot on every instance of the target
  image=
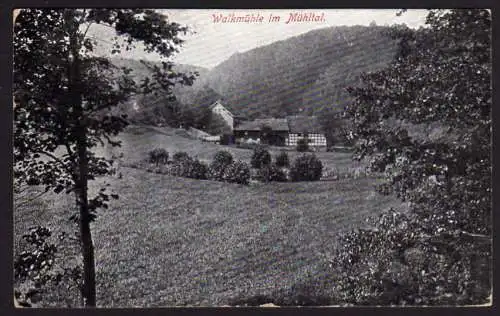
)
(280, 125)
(304, 124)
(215, 103)
(218, 102)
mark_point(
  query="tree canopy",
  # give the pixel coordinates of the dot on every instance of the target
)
(425, 122)
(64, 97)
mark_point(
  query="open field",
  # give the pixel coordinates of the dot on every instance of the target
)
(138, 140)
(176, 241)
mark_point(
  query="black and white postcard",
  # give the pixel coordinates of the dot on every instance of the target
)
(269, 158)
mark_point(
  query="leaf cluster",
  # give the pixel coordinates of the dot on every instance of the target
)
(425, 123)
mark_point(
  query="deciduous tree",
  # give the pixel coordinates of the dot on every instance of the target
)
(441, 77)
(64, 95)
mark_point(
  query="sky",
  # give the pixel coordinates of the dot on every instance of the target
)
(209, 42)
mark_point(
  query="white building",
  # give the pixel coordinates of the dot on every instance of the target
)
(307, 127)
(218, 109)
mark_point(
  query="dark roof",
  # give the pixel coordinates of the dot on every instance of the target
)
(304, 124)
(275, 124)
(241, 117)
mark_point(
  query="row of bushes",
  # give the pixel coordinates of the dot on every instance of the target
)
(160, 156)
(304, 168)
(222, 168)
(261, 157)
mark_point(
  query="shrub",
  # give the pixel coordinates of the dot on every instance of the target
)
(270, 173)
(197, 170)
(38, 270)
(306, 168)
(221, 161)
(178, 168)
(302, 145)
(237, 172)
(260, 157)
(186, 167)
(398, 262)
(223, 157)
(158, 156)
(180, 156)
(282, 159)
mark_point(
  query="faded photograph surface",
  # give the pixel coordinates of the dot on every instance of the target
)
(252, 157)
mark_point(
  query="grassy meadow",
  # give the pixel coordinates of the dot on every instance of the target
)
(177, 241)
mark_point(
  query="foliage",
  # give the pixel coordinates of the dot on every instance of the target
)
(196, 101)
(37, 262)
(178, 168)
(65, 95)
(272, 172)
(189, 168)
(260, 157)
(160, 109)
(337, 129)
(158, 156)
(222, 159)
(397, 262)
(282, 159)
(149, 109)
(237, 172)
(186, 167)
(217, 125)
(441, 74)
(198, 170)
(306, 168)
(302, 145)
(36, 267)
(180, 156)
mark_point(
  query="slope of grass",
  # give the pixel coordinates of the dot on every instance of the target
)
(177, 241)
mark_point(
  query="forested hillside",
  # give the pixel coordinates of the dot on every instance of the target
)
(307, 72)
(303, 74)
(188, 108)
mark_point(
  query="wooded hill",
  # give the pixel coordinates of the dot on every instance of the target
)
(304, 74)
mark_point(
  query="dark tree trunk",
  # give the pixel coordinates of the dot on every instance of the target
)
(88, 283)
(88, 289)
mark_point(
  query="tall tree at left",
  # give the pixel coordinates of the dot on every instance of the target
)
(65, 95)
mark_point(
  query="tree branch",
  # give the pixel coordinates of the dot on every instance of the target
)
(86, 30)
(55, 159)
(475, 235)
